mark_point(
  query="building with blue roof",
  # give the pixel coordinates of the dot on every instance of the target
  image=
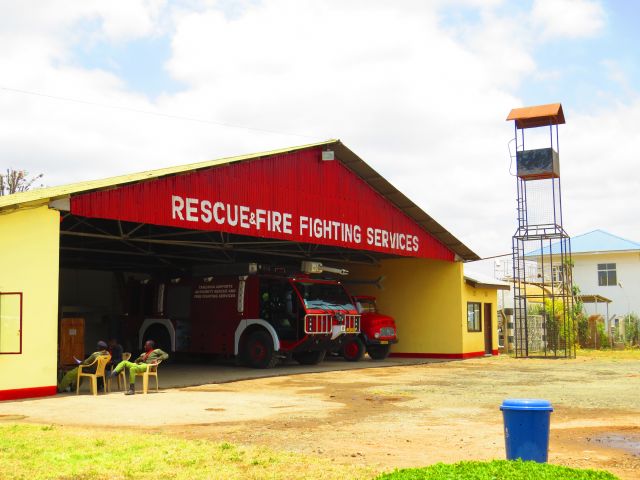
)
(607, 266)
(593, 242)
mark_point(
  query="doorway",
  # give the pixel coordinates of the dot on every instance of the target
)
(488, 330)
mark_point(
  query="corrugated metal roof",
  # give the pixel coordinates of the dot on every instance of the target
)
(537, 116)
(344, 154)
(52, 193)
(597, 241)
(479, 280)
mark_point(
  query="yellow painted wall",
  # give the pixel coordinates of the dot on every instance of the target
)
(424, 297)
(29, 259)
(474, 341)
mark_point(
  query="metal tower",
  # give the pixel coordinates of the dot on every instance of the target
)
(542, 265)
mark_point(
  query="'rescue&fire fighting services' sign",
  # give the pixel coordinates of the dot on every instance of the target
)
(293, 196)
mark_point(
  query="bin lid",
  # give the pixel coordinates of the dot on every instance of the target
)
(526, 404)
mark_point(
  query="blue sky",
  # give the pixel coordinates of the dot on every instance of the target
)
(139, 63)
(585, 73)
(586, 65)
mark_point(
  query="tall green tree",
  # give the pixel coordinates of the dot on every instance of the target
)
(632, 329)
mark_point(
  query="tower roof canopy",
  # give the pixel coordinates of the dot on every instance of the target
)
(537, 116)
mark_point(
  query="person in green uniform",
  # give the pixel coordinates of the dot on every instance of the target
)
(71, 376)
(151, 355)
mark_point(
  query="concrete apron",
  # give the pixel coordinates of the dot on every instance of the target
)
(188, 375)
(200, 405)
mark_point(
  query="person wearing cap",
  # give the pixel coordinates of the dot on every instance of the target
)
(151, 355)
(71, 376)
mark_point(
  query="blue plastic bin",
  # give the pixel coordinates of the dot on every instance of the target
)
(526, 428)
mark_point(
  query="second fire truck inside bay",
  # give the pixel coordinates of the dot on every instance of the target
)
(256, 316)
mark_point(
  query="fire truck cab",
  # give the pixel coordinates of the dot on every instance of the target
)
(378, 332)
(258, 316)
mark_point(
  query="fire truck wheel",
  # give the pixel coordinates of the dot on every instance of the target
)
(258, 351)
(309, 358)
(378, 352)
(353, 350)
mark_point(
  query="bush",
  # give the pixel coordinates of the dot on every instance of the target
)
(496, 470)
(603, 338)
(583, 331)
(632, 329)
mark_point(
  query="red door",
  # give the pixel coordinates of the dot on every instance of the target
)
(488, 329)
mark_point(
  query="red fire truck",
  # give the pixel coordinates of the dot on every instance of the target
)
(258, 315)
(377, 332)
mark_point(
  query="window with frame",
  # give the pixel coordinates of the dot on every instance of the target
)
(607, 274)
(557, 273)
(474, 317)
(10, 322)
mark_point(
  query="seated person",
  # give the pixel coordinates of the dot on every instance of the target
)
(115, 349)
(151, 356)
(72, 375)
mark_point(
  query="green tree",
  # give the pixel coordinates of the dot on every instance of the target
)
(579, 319)
(602, 337)
(583, 330)
(632, 329)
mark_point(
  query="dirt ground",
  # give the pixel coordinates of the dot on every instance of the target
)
(398, 416)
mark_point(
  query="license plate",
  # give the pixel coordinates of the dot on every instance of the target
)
(383, 342)
(351, 330)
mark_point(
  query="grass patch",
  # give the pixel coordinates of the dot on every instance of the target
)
(37, 452)
(627, 354)
(496, 470)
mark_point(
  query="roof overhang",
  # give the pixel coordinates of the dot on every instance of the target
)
(58, 197)
(483, 282)
(354, 163)
(593, 298)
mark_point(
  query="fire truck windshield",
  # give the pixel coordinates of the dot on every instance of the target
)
(366, 305)
(327, 296)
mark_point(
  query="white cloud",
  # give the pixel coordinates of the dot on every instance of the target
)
(423, 104)
(568, 18)
(124, 19)
(599, 155)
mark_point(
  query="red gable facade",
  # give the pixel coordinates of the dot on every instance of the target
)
(292, 196)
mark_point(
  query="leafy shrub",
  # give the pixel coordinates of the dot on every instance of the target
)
(496, 470)
(632, 329)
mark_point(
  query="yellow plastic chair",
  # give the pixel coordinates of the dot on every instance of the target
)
(151, 371)
(101, 361)
(122, 377)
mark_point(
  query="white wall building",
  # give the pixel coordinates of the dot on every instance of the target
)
(609, 266)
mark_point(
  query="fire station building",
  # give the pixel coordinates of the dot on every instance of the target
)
(68, 252)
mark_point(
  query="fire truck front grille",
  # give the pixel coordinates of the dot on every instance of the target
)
(387, 332)
(352, 323)
(317, 323)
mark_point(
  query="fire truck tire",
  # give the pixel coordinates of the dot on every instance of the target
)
(378, 352)
(353, 350)
(258, 350)
(309, 358)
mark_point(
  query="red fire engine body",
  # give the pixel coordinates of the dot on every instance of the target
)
(377, 332)
(256, 317)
